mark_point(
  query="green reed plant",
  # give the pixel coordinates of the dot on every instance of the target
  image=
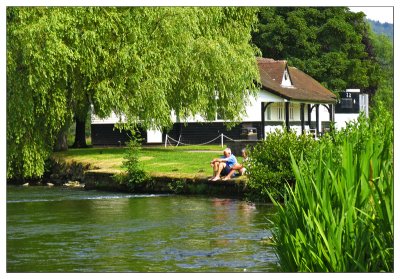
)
(339, 216)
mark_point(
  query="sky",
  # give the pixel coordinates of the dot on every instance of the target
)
(374, 12)
(382, 14)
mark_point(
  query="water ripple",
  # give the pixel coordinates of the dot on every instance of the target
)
(76, 198)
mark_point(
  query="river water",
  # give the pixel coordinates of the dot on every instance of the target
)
(66, 230)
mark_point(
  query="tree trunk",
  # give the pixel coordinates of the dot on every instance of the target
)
(80, 136)
(61, 143)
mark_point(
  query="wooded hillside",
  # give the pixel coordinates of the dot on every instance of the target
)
(382, 28)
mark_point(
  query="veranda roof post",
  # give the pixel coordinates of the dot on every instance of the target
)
(302, 117)
(309, 109)
(332, 113)
(263, 107)
(287, 103)
(317, 119)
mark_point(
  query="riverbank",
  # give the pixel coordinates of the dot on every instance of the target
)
(109, 181)
(77, 174)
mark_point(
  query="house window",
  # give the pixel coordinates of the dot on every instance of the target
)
(276, 112)
(281, 111)
(291, 111)
(269, 112)
(346, 103)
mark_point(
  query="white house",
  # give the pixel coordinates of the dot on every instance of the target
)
(288, 98)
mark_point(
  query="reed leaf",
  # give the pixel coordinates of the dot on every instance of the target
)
(339, 216)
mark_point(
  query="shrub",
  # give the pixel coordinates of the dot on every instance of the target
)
(270, 164)
(136, 175)
(340, 218)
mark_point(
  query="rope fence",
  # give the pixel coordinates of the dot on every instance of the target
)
(169, 140)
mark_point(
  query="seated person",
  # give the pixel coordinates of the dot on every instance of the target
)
(238, 167)
(222, 166)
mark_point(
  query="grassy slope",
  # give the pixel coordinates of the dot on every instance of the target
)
(158, 161)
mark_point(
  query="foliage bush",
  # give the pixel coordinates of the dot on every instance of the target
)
(339, 216)
(270, 164)
(136, 175)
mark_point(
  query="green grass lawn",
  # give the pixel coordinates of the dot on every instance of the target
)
(182, 161)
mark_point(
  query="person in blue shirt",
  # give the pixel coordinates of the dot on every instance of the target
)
(238, 167)
(223, 165)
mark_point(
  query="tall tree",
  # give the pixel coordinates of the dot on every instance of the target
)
(383, 48)
(142, 63)
(331, 44)
(37, 74)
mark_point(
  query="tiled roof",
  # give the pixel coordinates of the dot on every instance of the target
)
(304, 88)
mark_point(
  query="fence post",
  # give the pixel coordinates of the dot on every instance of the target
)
(222, 140)
(166, 138)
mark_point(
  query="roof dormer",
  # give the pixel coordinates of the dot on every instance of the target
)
(286, 81)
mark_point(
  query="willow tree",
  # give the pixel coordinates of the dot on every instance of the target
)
(37, 88)
(141, 63)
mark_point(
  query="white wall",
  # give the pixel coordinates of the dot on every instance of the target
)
(154, 136)
(253, 114)
(112, 119)
(253, 109)
(341, 119)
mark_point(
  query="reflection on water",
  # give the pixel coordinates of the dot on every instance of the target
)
(63, 230)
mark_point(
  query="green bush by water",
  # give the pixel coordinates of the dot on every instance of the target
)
(270, 168)
(339, 216)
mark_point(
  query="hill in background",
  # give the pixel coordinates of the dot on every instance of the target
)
(382, 28)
